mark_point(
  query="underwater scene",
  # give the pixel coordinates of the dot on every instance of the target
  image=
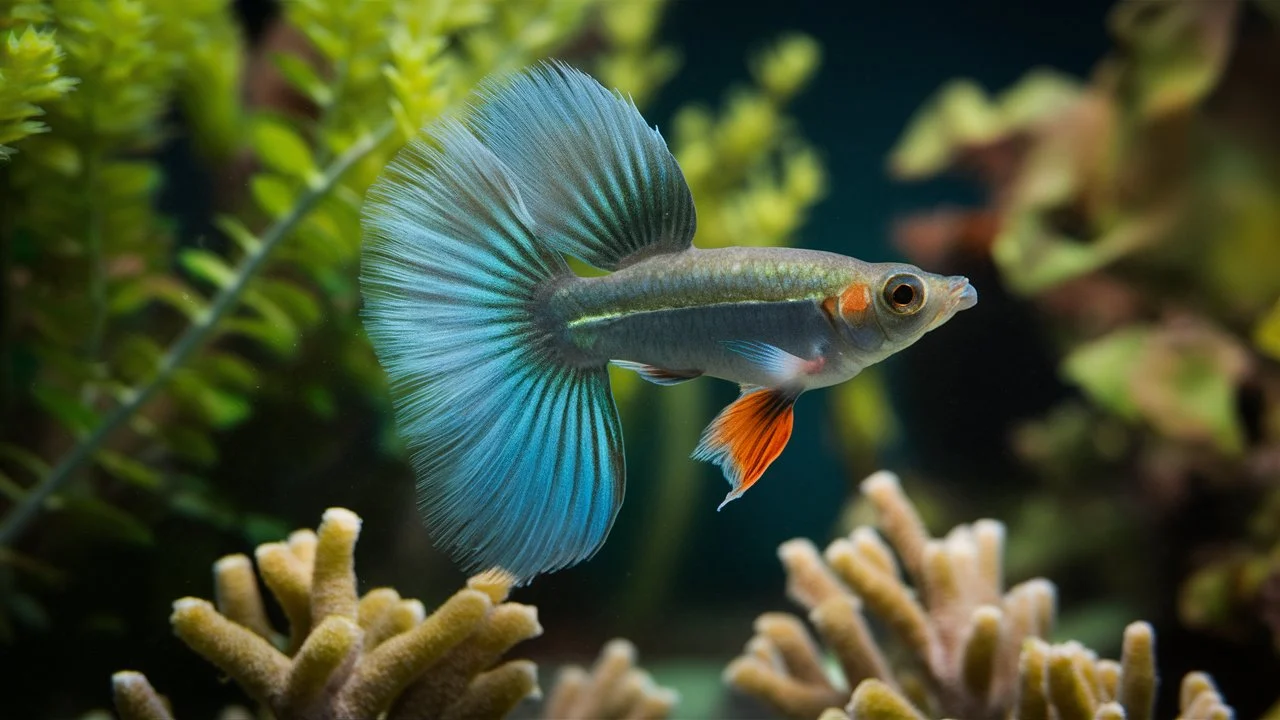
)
(399, 359)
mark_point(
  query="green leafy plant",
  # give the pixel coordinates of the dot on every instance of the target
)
(130, 341)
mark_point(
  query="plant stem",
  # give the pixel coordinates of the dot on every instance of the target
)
(7, 239)
(97, 271)
(192, 339)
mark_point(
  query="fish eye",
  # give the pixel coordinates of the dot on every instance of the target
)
(904, 294)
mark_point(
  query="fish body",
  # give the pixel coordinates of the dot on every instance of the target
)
(498, 353)
(690, 311)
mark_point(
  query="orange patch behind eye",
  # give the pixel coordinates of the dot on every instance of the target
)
(854, 299)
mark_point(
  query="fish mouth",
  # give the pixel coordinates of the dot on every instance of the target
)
(963, 295)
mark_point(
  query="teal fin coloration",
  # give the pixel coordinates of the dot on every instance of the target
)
(599, 182)
(518, 455)
(518, 451)
(656, 375)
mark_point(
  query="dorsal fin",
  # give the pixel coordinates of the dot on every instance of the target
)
(600, 184)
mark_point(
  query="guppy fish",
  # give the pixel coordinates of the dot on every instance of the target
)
(498, 352)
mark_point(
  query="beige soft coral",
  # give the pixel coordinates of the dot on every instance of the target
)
(371, 656)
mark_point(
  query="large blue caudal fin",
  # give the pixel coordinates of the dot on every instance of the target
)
(518, 455)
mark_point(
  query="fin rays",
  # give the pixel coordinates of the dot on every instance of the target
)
(570, 143)
(452, 265)
(747, 436)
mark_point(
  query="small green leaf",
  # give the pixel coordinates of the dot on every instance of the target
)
(234, 229)
(129, 470)
(207, 266)
(32, 567)
(98, 518)
(189, 443)
(136, 357)
(24, 459)
(217, 407)
(281, 148)
(230, 371)
(272, 314)
(273, 194)
(293, 299)
(1267, 333)
(10, 490)
(321, 401)
(65, 408)
(1104, 369)
(299, 73)
(131, 179)
(278, 339)
(1181, 379)
(194, 498)
(70, 367)
(131, 296)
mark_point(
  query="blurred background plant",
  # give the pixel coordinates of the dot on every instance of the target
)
(1137, 210)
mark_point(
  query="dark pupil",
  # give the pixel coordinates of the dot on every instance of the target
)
(903, 295)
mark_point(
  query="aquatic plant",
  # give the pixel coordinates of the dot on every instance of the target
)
(965, 646)
(1136, 210)
(375, 655)
(129, 340)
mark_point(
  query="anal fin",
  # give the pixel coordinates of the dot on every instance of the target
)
(657, 375)
(747, 436)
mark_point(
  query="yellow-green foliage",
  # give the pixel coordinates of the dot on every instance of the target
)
(753, 178)
(635, 67)
(81, 228)
(29, 76)
(129, 342)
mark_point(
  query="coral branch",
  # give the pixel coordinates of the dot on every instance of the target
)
(496, 692)
(508, 624)
(615, 689)
(333, 576)
(979, 646)
(874, 700)
(136, 699)
(840, 622)
(381, 656)
(237, 596)
(326, 657)
(1138, 672)
(243, 655)
(386, 671)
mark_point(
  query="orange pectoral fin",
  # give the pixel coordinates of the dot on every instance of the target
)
(747, 436)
